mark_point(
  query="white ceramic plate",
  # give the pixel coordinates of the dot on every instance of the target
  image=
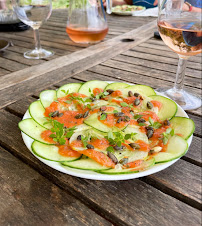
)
(127, 13)
(97, 176)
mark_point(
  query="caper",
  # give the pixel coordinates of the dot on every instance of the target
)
(86, 114)
(126, 118)
(110, 91)
(136, 94)
(103, 108)
(123, 161)
(166, 123)
(90, 146)
(136, 102)
(119, 114)
(141, 120)
(60, 115)
(79, 137)
(149, 105)
(151, 152)
(119, 120)
(117, 148)
(79, 116)
(134, 146)
(150, 133)
(130, 93)
(149, 128)
(141, 98)
(112, 157)
(92, 99)
(54, 114)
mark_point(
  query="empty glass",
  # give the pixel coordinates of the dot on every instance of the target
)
(34, 13)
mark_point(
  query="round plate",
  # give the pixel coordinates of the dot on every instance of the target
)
(127, 13)
(97, 176)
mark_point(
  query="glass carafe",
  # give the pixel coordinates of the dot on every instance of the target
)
(86, 21)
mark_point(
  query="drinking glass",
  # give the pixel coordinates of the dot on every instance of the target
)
(179, 25)
(34, 13)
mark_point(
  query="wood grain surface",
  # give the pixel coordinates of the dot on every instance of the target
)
(27, 198)
(36, 194)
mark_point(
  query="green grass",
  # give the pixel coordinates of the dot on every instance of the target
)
(60, 4)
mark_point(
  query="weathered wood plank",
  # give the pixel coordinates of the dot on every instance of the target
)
(137, 198)
(156, 65)
(162, 59)
(198, 122)
(27, 198)
(137, 78)
(160, 45)
(194, 153)
(78, 61)
(182, 180)
(3, 72)
(11, 65)
(21, 47)
(150, 71)
(19, 58)
(164, 53)
(49, 44)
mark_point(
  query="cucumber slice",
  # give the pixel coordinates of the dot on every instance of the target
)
(47, 97)
(168, 109)
(183, 126)
(91, 85)
(176, 148)
(116, 85)
(50, 152)
(32, 129)
(95, 123)
(145, 165)
(141, 89)
(85, 164)
(36, 111)
(72, 88)
(139, 135)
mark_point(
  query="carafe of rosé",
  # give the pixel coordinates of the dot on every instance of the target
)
(87, 21)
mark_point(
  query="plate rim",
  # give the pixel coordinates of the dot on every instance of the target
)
(87, 174)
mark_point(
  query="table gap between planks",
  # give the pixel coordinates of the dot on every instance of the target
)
(29, 188)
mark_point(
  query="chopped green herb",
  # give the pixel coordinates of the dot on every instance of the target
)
(142, 124)
(84, 140)
(65, 92)
(123, 104)
(103, 116)
(68, 101)
(110, 149)
(115, 111)
(155, 125)
(137, 116)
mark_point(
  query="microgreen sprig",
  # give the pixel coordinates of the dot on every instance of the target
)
(155, 125)
(166, 135)
(59, 132)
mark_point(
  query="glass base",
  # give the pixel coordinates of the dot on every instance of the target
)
(38, 54)
(185, 99)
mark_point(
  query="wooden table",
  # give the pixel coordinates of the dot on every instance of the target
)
(32, 193)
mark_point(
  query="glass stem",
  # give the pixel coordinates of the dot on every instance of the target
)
(37, 39)
(179, 82)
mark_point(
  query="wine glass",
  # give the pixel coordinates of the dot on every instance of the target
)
(179, 25)
(34, 13)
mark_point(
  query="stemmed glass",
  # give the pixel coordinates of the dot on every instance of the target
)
(34, 13)
(181, 30)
